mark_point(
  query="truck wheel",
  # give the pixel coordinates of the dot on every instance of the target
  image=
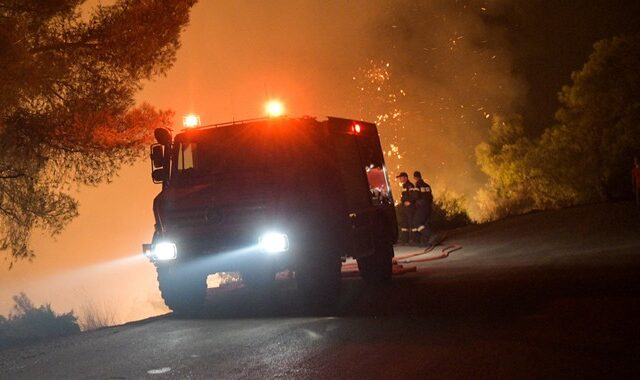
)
(183, 291)
(319, 283)
(259, 279)
(377, 268)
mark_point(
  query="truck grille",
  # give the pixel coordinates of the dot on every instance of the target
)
(214, 216)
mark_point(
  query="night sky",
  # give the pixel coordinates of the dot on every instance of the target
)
(452, 66)
(550, 39)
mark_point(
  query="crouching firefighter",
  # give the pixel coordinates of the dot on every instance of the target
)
(423, 210)
(406, 208)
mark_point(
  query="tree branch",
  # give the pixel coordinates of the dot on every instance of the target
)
(64, 46)
(11, 176)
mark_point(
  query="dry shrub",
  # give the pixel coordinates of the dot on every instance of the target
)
(28, 323)
(93, 316)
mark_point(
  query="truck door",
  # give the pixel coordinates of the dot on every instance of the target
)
(381, 211)
(356, 190)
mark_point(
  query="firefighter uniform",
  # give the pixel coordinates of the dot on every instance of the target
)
(406, 209)
(420, 230)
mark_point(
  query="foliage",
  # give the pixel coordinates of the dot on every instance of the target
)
(93, 317)
(449, 211)
(67, 112)
(28, 323)
(600, 116)
(586, 157)
(505, 160)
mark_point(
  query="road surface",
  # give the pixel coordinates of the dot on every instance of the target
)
(551, 295)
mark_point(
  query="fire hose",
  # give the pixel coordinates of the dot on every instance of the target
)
(351, 269)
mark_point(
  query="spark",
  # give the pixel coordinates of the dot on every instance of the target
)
(377, 88)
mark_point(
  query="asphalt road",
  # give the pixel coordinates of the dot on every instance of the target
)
(551, 295)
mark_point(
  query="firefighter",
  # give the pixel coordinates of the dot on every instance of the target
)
(423, 209)
(406, 208)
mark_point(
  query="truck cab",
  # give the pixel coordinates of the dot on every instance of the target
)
(262, 196)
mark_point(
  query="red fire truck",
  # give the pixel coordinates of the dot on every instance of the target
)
(262, 196)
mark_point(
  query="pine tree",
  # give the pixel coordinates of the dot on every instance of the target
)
(67, 111)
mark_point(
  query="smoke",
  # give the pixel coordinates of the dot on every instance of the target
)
(101, 294)
(448, 60)
(453, 65)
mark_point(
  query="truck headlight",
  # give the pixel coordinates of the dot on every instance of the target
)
(165, 251)
(274, 242)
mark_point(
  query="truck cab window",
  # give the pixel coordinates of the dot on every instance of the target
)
(185, 156)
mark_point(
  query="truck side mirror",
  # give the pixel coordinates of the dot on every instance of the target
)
(163, 136)
(157, 156)
(159, 175)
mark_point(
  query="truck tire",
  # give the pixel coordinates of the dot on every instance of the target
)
(319, 283)
(377, 268)
(183, 291)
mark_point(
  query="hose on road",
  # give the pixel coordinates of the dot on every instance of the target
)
(445, 252)
(351, 269)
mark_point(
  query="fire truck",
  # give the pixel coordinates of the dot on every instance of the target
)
(267, 195)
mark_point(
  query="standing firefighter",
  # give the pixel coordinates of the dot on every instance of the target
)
(423, 209)
(406, 209)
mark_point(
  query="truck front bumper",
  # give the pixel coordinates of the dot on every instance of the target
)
(272, 248)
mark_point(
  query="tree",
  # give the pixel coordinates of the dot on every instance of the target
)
(504, 158)
(586, 157)
(600, 117)
(67, 112)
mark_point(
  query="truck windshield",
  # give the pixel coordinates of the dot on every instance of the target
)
(234, 149)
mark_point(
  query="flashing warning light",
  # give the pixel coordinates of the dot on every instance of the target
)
(190, 121)
(356, 128)
(274, 108)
